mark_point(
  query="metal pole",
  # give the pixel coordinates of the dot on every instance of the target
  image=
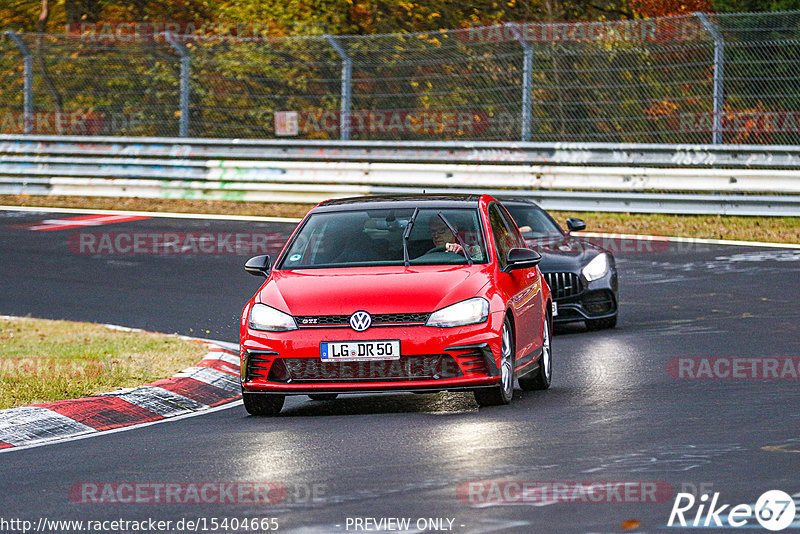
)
(185, 72)
(719, 74)
(347, 75)
(27, 106)
(527, 75)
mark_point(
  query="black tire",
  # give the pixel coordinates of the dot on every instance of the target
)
(323, 396)
(540, 379)
(502, 394)
(261, 404)
(601, 324)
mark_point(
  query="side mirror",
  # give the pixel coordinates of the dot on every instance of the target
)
(522, 258)
(258, 266)
(575, 224)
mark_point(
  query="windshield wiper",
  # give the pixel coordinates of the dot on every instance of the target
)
(458, 238)
(406, 233)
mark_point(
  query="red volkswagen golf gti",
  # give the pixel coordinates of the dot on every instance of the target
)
(406, 293)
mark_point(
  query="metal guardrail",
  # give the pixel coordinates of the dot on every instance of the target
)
(651, 155)
(743, 180)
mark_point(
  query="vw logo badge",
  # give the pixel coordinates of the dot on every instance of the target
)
(360, 321)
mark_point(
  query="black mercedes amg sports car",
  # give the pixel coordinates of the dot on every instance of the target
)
(581, 275)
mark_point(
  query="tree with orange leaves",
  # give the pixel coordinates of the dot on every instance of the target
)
(666, 8)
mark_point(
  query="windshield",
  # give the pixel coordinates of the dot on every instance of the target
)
(533, 222)
(376, 237)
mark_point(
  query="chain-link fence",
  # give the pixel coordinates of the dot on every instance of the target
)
(690, 79)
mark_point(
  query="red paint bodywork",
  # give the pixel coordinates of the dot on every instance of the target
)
(522, 294)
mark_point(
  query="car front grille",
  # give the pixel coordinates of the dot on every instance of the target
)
(340, 321)
(563, 285)
(407, 368)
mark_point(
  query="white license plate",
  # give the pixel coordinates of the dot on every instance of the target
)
(356, 351)
(555, 309)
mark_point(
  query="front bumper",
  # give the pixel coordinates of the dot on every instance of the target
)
(432, 359)
(585, 300)
(598, 304)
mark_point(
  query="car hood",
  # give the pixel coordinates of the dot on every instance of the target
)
(567, 254)
(418, 289)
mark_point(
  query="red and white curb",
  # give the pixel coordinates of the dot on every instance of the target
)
(212, 382)
(83, 221)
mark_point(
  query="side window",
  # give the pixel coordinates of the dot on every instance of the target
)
(516, 237)
(503, 234)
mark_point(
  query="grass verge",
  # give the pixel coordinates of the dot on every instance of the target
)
(43, 360)
(774, 229)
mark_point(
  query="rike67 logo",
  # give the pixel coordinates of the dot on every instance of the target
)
(775, 510)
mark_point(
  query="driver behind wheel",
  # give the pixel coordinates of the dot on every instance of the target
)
(442, 237)
(444, 240)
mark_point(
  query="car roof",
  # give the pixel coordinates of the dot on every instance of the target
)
(518, 200)
(399, 202)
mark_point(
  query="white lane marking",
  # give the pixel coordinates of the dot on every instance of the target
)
(95, 434)
(688, 240)
(761, 256)
(154, 214)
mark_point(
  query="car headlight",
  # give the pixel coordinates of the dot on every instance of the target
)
(596, 268)
(462, 313)
(262, 317)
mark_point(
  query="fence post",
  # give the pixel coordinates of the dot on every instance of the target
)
(347, 74)
(527, 75)
(27, 114)
(719, 74)
(185, 71)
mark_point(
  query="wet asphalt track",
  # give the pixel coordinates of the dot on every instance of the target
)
(612, 414)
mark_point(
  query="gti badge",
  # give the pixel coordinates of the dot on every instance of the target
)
(360, 321)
